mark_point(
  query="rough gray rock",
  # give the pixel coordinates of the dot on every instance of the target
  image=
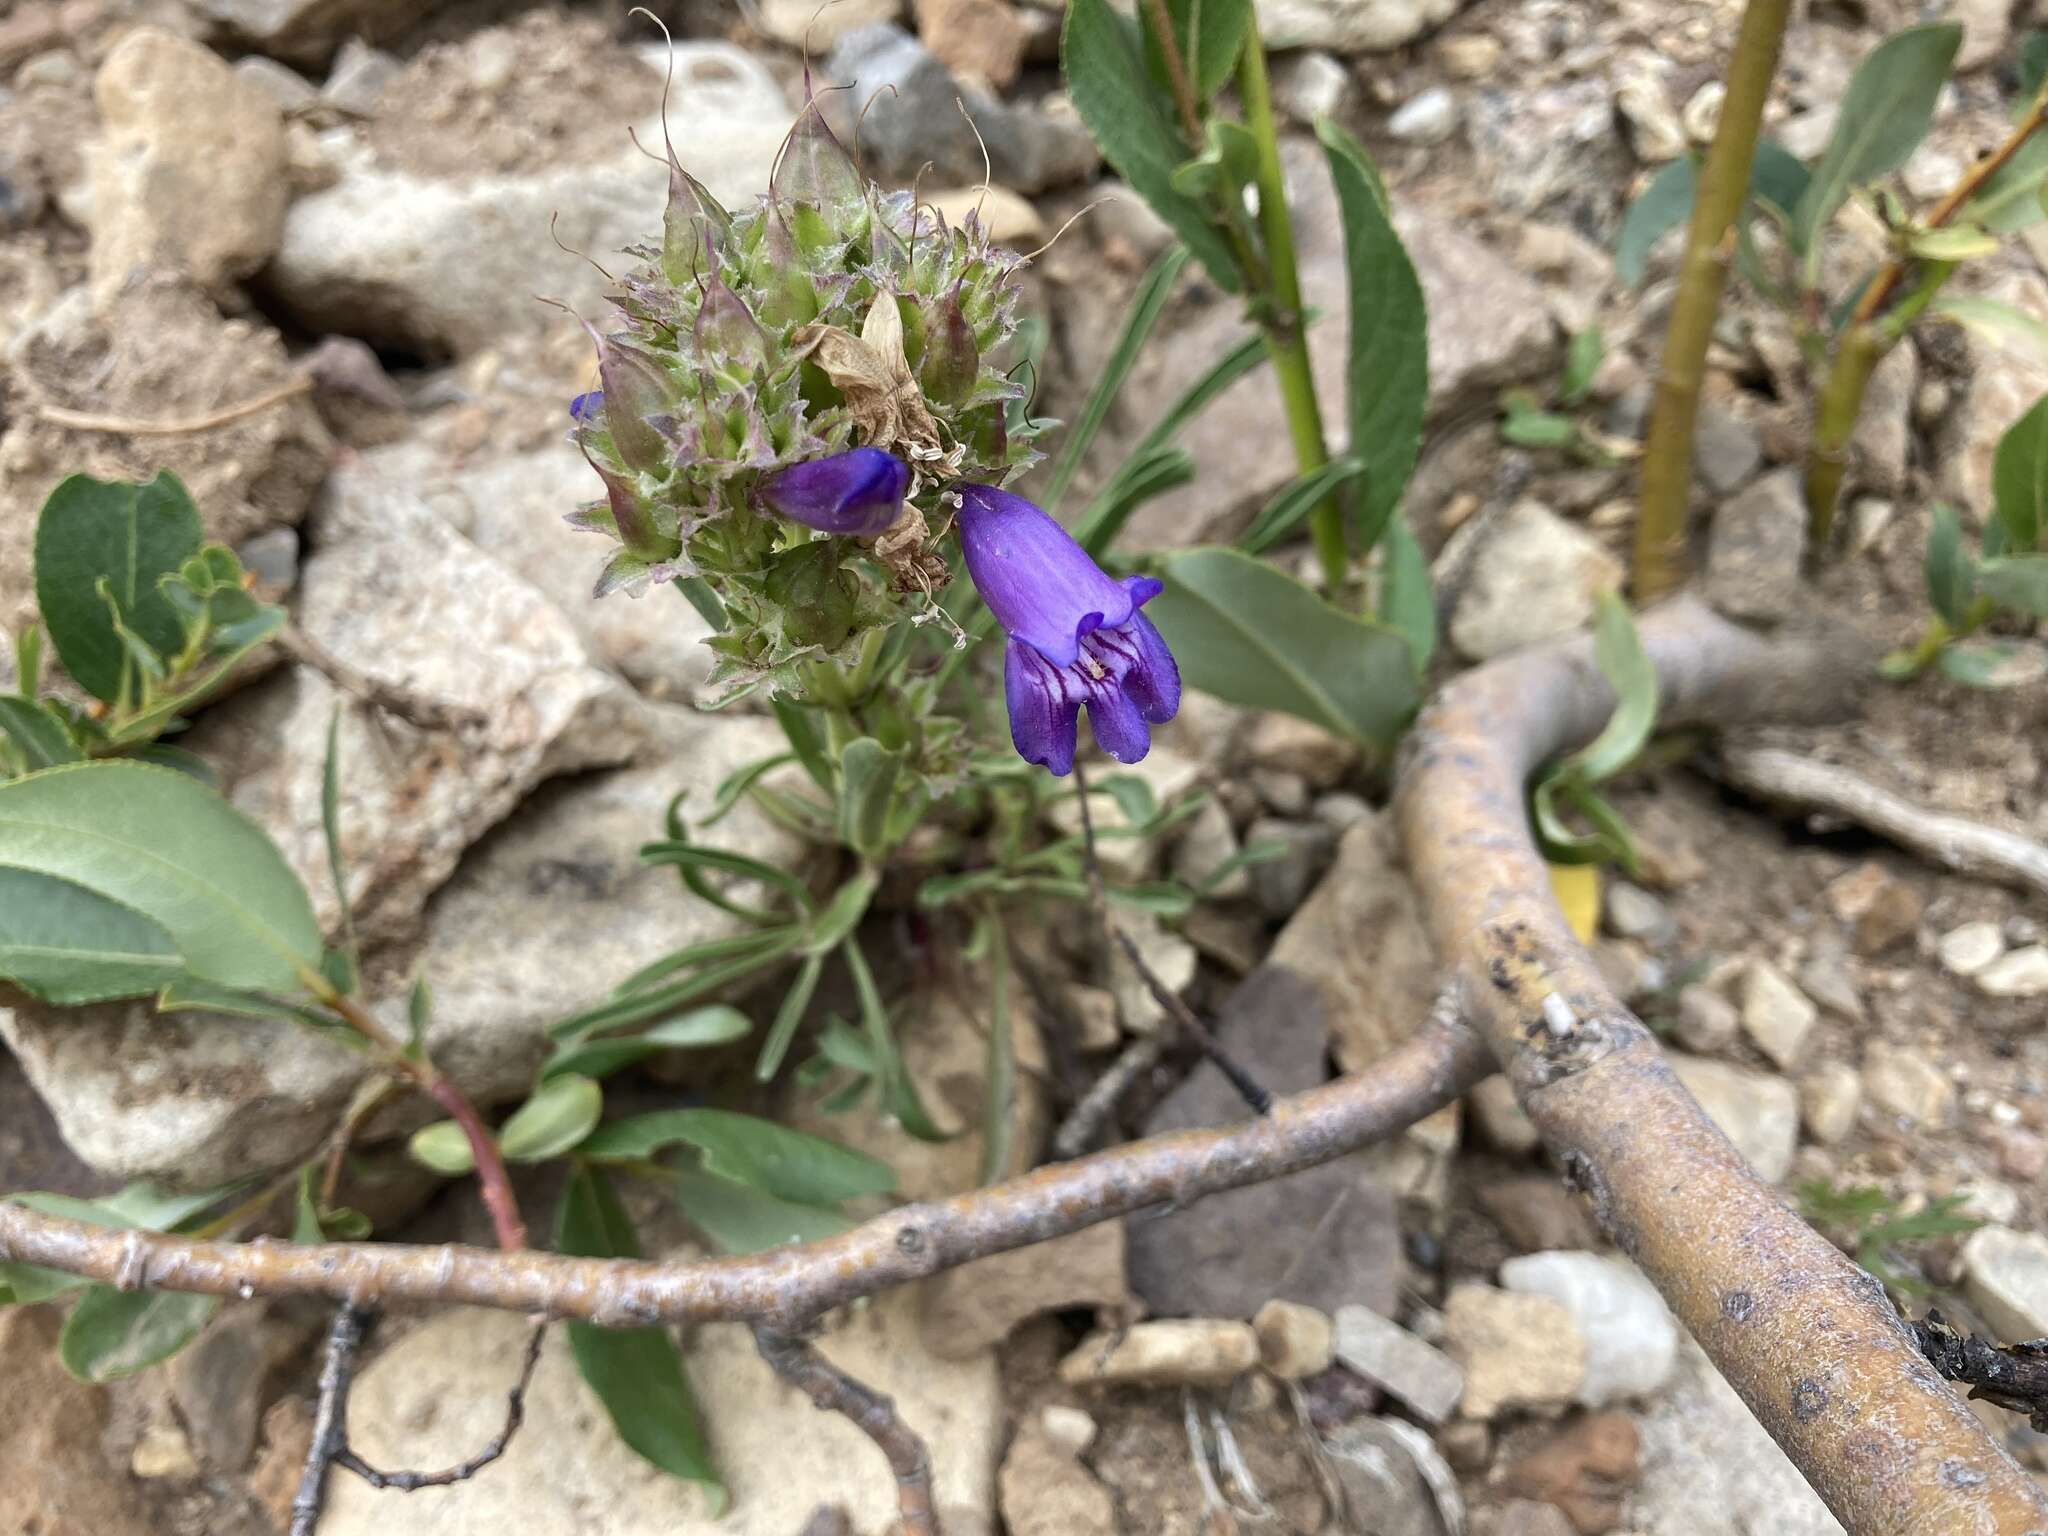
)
(1533, 578)
(1488, 326)
(1350, 26)
(907, 106)
(1753, 553)
(1396, 1361)
(1216, 1258)
(305, 32)
(2006, 1273)
(189, 169)
(418, 1400)
(400, 257)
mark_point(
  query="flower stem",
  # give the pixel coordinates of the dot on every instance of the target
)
(1279, 310)
(492, 1179)
(1666, 484)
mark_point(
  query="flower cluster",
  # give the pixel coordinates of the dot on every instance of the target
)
(750, 345)
(796, 396)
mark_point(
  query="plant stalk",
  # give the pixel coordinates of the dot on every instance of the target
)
(1666, 485)
(1280, 315)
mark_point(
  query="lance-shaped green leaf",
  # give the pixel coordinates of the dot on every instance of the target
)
(127, 537)
(637, 1373)
(111, 1333)
(1257, 638)
(1133, 120)
(43, 738)
(171, 850)
(792, 1165)
(1883, 117)
(1627, 667)
(1407, 597)
(699, 1029)
(1295, 500)
(1951, 572)
(1209, 35)
(65, 944)
(1386, 373)
(738, 1218)
(2019, 479)
(867, 788)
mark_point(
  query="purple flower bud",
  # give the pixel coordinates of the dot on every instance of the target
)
(858, 493)
(1076, 637)
(586, 406)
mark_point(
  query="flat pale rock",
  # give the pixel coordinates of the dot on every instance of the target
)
(2006, 1273)
(1396, 1361)
(1631, 1337)
(433, 1396)
(1759, 1113)
(974, 1307)
(1176, 1352)
(1518, 1352)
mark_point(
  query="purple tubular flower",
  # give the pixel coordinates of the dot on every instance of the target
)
(856, 494)
(1076, 636)
(586, 406)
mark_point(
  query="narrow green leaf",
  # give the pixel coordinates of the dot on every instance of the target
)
(1538, 429)
(563, 1110)
(738, 1218)
(2017, 582)
(126, 537)
(789, 1016)
(1990, 664)
(306, 1226)
(330, 823)
(1951, 573)
(1407, 597)
(1663, 206)
(694, 856)
(419, 1013)
(1209, 34)
(1884, 115)
(637, 1373)
(800, 725)
(1133, 797)
(867, 787)
(1951, 242)
(1777, 178)
(699, 1029)
(188, 994)
(1256, 638)
(111, 1333)
(792, 1165)
(1628, 670)
(28, 661)
(839, 916)
(899, 1092)
(1581, 361)
(1386, 377)
(644, 1006)
(1295, 500)
(41, 735)
(1228, 163)
(2019, 478)
(735, 786)
(1133, 122)
(1146, 305)
(1997, 322)
(174, 852)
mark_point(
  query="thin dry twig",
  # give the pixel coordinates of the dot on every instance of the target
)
(786, 1286)
(1084, 1122)
(1954, 842)
(1189, 1022)
(142, 426)
(330, 1447)
(2014, 1377)
(832, 1390)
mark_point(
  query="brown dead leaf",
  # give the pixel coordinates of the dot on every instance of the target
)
(873, 373)
(905, 552)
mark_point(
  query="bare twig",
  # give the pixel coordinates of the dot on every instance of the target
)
(515, 1415)
(330, 1422)
(786, 1286)
(140, 426)
(330, 1447)
(1084, 1122)
(799, 1364)
(1954, 842)
(1808, 1340)
(1190, 1023)
(2015, 1378)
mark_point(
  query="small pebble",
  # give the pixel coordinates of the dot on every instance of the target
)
(1429, 117)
